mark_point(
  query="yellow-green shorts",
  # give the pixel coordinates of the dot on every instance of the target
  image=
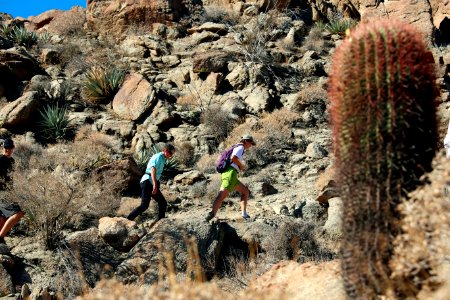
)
(229, 179)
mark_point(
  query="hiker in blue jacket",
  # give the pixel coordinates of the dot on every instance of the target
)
(229, 179)
(150, 183)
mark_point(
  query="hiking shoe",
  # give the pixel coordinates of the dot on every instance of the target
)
(2, 240)
(246, 216)
(209, 217)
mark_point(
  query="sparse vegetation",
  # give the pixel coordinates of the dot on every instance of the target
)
(102, 84)
(340, 26)
(55, 123)
(217, 122)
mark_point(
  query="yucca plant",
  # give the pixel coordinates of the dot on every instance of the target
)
(102, 84)
(23, 37)
(383, 112)
(55, 123)
(142, 158)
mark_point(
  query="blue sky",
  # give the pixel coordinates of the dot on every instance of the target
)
(26, 8)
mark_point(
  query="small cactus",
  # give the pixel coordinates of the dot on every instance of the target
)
(383, 113)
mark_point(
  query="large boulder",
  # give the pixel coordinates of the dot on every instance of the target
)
(170, 241)
(123, 174)
(120, 233)
(95, 256)
(212, 61)
(17, 114)
(135, 98)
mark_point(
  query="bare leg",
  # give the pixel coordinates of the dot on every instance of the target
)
(10, 222)
(245, 192)
(219, 199)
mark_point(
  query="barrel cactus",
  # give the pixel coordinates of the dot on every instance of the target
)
(383, 112)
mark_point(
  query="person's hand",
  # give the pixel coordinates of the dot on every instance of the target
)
(155, 190)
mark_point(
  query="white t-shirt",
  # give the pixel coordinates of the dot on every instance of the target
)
(239, 153)
(447, 141)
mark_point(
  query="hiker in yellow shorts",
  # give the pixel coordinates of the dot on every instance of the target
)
(230, 180)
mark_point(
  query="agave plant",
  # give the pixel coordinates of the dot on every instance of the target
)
(340, 26)
(143, 157)
(102, 84)
(24, 37)
(55, 122)
(6, 30)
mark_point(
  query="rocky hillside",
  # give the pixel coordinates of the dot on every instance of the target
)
(89, 94)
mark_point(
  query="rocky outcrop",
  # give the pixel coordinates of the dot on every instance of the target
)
(441, 16)
(114, 17)
(16, 65)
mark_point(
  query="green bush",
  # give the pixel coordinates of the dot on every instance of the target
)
(102, 84)
(55, 123)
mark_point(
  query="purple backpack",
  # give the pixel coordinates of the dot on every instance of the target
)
(225, 159)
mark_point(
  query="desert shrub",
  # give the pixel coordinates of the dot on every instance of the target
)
(255, 37)
(207, 163)
(314, 41)
(103, 149)
(185, 154)
(49, 202)
(309, 94)
(23, 151)
(297, 240)
(72, 57)
(101, 84)
(54, 124)
(217, 122)
(219, 14)
(198, 189)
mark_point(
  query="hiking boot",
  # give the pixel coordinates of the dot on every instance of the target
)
(246, 216)
(209, 217)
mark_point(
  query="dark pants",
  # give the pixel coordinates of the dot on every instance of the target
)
(146, 195)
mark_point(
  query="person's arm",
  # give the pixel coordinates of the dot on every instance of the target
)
(238, 163)
(155, 183)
